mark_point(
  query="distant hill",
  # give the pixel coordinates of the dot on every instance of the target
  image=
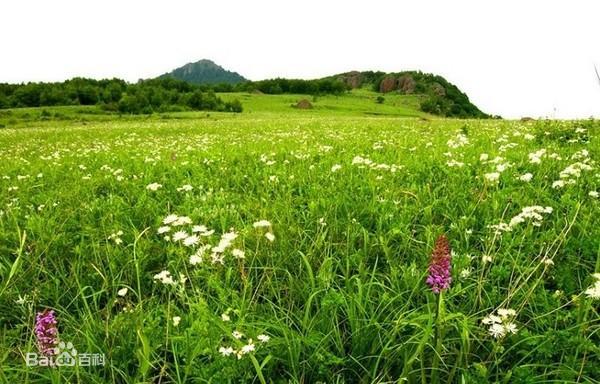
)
(205, 72)
(438, 95)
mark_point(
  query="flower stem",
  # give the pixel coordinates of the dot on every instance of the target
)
(439, 319)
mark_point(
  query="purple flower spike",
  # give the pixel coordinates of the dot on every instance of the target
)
(46, 332)
(439, 277)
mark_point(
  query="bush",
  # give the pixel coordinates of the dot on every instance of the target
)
(234, 106)
(380, 99)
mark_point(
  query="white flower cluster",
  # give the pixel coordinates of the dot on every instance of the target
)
(500, 165)
(185, 188)
(570, 173)
(116, 237)
(265, 224)
(364, 162)
(533, 213)
(459, 141)
(502, 323)
(153, 187)
(455, 163)
(193, 238)
(245, 349)
(166, 278)
(594, 291)
(536, 157)
(526, 177)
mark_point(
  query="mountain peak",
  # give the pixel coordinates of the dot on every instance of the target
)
(205, 71)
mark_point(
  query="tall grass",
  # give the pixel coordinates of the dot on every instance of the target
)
(341, 290)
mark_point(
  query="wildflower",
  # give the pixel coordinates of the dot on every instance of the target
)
(491, 319)
(510, 328)
(506, 312)
(336, 168)
(195, 259)
(180, 235)
(465, 272)
(238, 253)
(248, 347)
(153, 187)
(237, 335)
(164, 229)
(536, 157)
(548, 261)
(492, 177)
(165, 278)
(262, 224)
(122, 292)
(170, 219)
(185, 188)
(454, 163)
(182, 220)
(182, 279)
(270, 236)
(199, 229)
(526, 177)
(191, 240)
(225, 317)
(558, 184)
(226, 351)
(593, 292)
(46, 332)
(483, 157)
(501, 324)
(263, 338)
(497, 330)
(593, 194)
(439, 267)
(176, 320)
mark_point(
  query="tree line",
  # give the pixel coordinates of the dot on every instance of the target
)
(165, 94)
(143, 97)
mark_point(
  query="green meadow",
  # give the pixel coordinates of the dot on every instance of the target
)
(284, 245)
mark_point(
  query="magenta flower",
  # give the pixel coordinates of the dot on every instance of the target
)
(46, 332)
(439, 277)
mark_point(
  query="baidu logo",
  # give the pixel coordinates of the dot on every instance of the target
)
(64, 355)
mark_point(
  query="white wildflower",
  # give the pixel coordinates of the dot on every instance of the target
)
(226, 351)
(270, 236)
(191, 240)
(163, 229)
(165, 278)
(170, 219)
(237, 335)
(263, 338)
(492, 177)
(238, 253)
(526, 177)
(180, 235)
(185, 188)
(262, 224)
(154, 186)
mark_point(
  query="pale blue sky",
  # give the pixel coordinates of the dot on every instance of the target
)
(513, 58)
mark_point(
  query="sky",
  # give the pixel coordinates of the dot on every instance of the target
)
(512, 58)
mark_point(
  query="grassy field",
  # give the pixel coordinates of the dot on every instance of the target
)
(283, 245)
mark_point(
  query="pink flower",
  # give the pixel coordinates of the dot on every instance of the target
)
(439, 277)
(46, 332)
